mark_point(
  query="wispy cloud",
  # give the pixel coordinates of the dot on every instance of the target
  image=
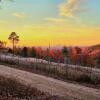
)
(19, 14)
(7, 0)
(71, 7)
(10, 0)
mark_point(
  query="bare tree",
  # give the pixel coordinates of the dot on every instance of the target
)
(14, 38)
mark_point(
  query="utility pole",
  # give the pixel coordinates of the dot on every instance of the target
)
(49, 54)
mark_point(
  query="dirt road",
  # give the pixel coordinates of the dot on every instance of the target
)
(53, 86)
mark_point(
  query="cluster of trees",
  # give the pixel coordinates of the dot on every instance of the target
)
(67, 55)
(2, 44)
(97, 58)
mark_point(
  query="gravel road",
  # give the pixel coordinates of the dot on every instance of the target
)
(53, 86)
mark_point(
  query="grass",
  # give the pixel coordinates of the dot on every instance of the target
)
(11, 89)
(78, 75)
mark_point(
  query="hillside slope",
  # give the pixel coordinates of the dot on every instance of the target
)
(53, 86)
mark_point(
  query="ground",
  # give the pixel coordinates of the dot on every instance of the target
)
(52, 86)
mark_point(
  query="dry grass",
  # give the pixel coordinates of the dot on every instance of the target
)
(11, 89)
(66, 73)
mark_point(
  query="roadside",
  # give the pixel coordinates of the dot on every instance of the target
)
(52, 86)
(12, 89)
(55, 75)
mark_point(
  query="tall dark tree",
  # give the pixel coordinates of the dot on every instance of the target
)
(25, 52)
(65, 53)
(33, 52)
(14, 38)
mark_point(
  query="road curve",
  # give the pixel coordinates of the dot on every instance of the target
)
(53, 86)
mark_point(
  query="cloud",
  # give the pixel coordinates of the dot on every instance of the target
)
(10, 0)
(71, 7)
(7, 0)
(19, 14)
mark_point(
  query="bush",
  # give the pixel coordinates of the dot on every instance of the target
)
(84, 78)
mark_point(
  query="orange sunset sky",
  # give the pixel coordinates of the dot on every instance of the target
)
(55, 22)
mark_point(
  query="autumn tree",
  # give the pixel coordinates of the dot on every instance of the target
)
(79, 55)
(14, 38)
(39, 52)
(1, 44)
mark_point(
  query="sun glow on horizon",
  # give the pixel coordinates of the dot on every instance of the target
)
(55, 22)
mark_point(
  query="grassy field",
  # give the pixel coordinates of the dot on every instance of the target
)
(74, 75)
(11, 89)
(77, 74)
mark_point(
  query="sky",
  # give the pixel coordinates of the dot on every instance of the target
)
(54, 22)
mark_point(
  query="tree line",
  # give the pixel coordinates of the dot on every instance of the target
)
(67, 55)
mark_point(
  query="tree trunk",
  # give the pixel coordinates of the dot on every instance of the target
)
(65, 60)
(13, 47)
